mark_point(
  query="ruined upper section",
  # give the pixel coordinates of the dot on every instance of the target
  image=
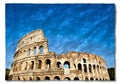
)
(78, 56)
(30, 38)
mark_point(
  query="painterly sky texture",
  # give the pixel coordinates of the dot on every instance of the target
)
(68, 27)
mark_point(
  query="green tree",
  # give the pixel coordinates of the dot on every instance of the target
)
(7, 71)
(111, 72)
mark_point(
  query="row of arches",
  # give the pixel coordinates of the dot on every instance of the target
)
(58, 78)
(91, 78)
(31, 65)
(41, 48)
(83, 67)
(48, 78)
(34, 51)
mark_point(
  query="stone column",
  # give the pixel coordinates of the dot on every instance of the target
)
(76, 67)
(29, 65)
(34, 65)
(45, 51)
(37, 50)
(71, 66)
(92, 70)
(100, 70)
(87, 68)
(82, 67)
(32, 51)
(43, 64)
(62, 65)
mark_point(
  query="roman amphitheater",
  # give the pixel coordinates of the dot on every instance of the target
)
(34, 61)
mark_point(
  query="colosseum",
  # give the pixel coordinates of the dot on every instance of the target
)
(34, 61)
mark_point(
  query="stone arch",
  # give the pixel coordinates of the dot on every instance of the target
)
(76, 78)
(48, 63)
(32, 65)
(30, 78)
(96, 78)
(57, 78)
(26, 64)
(34, 50)
(91, 78)
(79, 67)
(94, 67)
(41, 48)
(18, 78)
(24, 78)
(84, 60)
(86, 78)
(39, 64)
(67, 78)
(47, 78)
(37, 78)
(59, 64)
(98, 68)
(85, 68)
(90, 68)
(66, 64)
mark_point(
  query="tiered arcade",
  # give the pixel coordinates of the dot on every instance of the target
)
(34, 61)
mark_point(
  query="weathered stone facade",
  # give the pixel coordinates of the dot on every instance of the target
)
(34, 61)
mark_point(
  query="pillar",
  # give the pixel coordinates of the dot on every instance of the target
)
(45, 51)
(43, 64)
(37, 50)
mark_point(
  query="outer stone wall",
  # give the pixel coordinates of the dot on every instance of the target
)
(34, 61)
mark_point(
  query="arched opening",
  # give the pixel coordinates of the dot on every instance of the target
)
(30, 78)
(91, 78)
(39, 64)
(26, 64)
(48, 63)
(86, 78)
(99, 62)
(67, 78)
(96, 78)
(90, 68)
(85, 68)
(57, 78)
(18, 78)
(58, 64)
(100, 79)
(29, 51)
(23, 78)
(37, 78)
(98, 68)
(84, 60)
(94, 67)
(47, 78)
(66, 64)
(79, 67)
(34, 50)
(41, 49)
(32, 65)
(76, 78)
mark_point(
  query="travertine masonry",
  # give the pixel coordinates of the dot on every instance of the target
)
(34, 61)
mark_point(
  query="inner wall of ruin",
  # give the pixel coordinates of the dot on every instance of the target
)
(34, 61)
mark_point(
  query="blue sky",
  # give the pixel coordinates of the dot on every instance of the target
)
(68, 27)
